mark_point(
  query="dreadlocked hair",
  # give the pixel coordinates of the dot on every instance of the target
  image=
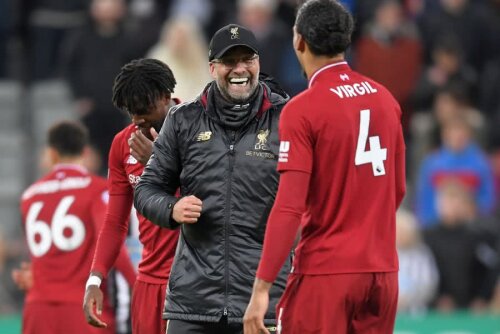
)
(140, 84)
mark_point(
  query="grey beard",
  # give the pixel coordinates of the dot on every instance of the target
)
(231, 99)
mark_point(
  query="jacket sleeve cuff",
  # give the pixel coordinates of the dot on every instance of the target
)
(170, 223)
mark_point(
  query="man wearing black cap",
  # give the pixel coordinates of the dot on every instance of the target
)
(221, 150)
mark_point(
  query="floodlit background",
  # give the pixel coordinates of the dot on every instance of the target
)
(439, 58)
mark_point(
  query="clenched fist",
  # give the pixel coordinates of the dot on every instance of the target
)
(187, 210)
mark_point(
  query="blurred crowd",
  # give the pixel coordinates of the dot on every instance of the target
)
(439, 58)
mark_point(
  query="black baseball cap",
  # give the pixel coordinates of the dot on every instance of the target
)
(228, 37)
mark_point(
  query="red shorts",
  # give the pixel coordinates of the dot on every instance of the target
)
(363, 303)
(147, 308)
(62, 318)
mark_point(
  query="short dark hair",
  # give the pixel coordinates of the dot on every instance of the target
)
(140, 84)
(68, 138)
(326, 26)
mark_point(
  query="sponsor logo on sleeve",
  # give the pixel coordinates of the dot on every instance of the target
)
(284, 149)
(133, 179)
(131, 160)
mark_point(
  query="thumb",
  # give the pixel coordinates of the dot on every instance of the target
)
(153, 132)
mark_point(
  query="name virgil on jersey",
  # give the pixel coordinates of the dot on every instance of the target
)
(354, 90)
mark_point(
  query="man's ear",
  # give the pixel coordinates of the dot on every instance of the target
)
(53, 156)
(211, 69)
(299, 44)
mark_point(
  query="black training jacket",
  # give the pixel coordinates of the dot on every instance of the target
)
(217, 257)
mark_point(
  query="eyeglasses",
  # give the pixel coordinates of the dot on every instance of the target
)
(247, 61)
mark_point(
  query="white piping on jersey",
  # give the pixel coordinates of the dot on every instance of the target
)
(322, 69)
(74, 166)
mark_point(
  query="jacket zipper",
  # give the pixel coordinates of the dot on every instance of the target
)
(226, 225)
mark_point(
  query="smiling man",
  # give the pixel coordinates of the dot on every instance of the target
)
(221, 150)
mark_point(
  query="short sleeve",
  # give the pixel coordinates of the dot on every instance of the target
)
(296, 140)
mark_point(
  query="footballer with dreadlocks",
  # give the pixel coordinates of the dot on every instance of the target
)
(143, 89)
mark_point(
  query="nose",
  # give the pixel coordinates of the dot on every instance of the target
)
(239, 67)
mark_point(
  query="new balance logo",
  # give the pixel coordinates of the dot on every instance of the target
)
(204, 136)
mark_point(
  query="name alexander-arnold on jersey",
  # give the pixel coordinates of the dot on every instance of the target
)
(354, 90)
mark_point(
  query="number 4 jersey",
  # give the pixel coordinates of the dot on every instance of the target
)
(61, 214)
(345, 130)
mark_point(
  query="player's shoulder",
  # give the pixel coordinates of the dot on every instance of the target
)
(120, 141)
(98, 188)
(125, 133)
(374, 85)
(185, 109)
(99, 181)
(31, 190)
(298, 102)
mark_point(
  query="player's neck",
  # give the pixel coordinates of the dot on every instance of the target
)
(313, 63)
(79, 161)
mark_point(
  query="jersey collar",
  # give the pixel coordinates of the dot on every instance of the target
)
(66, 166)
(340, 65)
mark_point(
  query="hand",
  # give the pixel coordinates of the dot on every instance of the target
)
(23, 277)
(187, 210)
(253, 321)
(141, 147)
(93, 301)
(153, 133)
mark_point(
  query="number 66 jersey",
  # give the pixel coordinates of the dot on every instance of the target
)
(61, 215)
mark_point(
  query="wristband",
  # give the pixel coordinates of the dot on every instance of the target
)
(93, 280)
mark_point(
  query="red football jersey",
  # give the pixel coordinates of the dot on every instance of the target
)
(345, 130)
(158, 243)
(62, 213)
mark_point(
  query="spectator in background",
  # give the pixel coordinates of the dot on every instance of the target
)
(450, 102)
(447, 68)
(273, 38)
(145, 20)
(48, 23)
(468, 21)
(379, 50)
(94, 56)
(494, 22)
(464, 279)
(418, 275)
(183, 47)
(458, 157)
(10, 297)
(489, 99)
(202, 11)
(5, 29)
